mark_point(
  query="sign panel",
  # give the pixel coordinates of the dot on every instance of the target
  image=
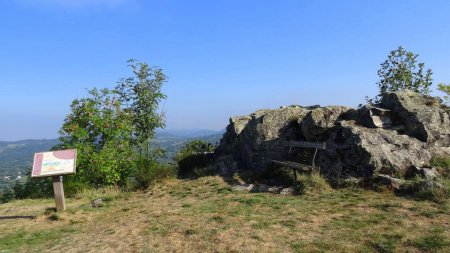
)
(54, 163)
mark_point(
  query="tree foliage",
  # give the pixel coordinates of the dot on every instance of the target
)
(100, 129)
(142, 95)
(445, 88)
(109, 126)
(401, 71)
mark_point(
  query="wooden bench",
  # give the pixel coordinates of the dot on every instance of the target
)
(301, 144)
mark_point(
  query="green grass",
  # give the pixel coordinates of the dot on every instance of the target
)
(36, 240)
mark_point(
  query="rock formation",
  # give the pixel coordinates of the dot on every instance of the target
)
(398, 136)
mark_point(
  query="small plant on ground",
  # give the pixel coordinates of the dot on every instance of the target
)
(442, 163)
(314, 182)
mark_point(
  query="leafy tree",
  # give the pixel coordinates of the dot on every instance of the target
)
(142, 96)
(101, 130)
(401, 71)
(445, 88)
(110, 125)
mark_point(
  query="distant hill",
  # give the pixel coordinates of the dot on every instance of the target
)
(17, 156)
(187, 133)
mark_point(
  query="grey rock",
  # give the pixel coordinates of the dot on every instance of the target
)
(390, 182)
(97, 203)
(427, 185)
(425, 173)
(423, 117)
(274, 189)
(288, 191)
(244, 188)
(420, 129)
(317, 123)
(261, 188)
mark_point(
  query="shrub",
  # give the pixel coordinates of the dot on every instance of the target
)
(7, 195)
(33, 188)
(195, 157)
(149, 171)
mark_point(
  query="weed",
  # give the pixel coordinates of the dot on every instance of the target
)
(219, 219)
(190, 231)
(313, 182)
(54, 217)
(49, 210)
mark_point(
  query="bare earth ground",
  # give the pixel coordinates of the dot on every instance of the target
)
(204, 216)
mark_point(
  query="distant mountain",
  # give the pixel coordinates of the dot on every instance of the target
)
(187, 133)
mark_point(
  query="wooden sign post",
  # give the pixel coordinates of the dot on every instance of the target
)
(55, 164)
(58, 189)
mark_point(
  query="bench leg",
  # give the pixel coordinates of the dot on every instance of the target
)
(295, 173)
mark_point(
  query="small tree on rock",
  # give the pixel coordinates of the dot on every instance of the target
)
(445, 88)
(401, 71)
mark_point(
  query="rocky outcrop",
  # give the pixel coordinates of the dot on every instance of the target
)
(423, 117)
(406, 133)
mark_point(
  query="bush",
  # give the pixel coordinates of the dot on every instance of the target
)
(194, 157)
(7, 195)
(149, 171)
(34, 188)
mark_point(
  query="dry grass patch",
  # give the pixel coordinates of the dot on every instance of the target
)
(202, 215)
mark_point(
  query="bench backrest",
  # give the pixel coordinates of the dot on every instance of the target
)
(306, 144)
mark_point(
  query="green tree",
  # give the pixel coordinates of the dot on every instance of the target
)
(110, 126)
(142, 96)
(401, 71)
(445, 88)
(101, 130)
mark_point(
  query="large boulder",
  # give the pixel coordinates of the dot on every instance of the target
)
(423, 117)
(419, 127)
(317, 123)
(354, 150)
(253, 140)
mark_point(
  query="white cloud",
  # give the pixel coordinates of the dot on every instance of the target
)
(73, 4)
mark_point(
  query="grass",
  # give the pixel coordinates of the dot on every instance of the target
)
(203, 216)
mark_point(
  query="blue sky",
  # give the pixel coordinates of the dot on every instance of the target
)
(223, 58)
